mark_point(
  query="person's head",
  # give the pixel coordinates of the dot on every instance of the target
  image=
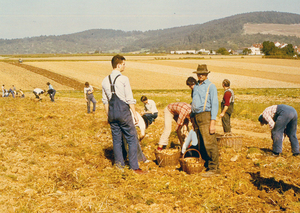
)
(191, 82)
(144, 99)
(262, 120)
(87, 84)
(118, 62)
(226, 83)
(48, 83)
(202, 72)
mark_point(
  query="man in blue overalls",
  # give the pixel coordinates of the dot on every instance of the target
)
(123, 124)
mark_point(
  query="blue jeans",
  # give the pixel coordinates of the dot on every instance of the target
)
(151, 117)
(285, 122)
(90, 98)
(125, 127)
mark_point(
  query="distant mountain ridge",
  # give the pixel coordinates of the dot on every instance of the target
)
(226, 32)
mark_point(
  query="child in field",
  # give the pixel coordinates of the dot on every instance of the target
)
(150, 111)
(191, 141)
(227, 106)
(89, 97)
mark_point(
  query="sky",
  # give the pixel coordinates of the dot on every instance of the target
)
(31, 18)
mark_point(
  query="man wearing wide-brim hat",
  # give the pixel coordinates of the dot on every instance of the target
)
(205, 106)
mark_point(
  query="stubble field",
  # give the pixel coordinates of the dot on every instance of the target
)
(57, 158)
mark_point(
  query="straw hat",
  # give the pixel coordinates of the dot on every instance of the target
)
(202, 69)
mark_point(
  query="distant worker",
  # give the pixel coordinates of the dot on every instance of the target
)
(37, 92)
(227, 106)
(150, 110)
(89, 97)
(3, 90)
(21, 94)
(51, 91)
(180, 112)
(282, 120)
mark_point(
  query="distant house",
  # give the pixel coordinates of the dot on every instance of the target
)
(277, 44)
(255, 50)
(203, 51)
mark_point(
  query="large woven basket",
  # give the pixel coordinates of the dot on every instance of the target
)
(167, 159)
(192, 165)
(230, 140)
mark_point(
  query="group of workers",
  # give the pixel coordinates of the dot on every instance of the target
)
(119, 105)
(118, 101)
(12, 91)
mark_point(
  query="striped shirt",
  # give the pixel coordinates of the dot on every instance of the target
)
(182, 110)
(268, 115)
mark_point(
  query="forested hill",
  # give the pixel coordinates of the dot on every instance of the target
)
(226, 32)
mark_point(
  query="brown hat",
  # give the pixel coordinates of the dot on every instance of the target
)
(202, 69)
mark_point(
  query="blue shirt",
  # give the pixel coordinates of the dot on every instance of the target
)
(50, 86)
(199, 94)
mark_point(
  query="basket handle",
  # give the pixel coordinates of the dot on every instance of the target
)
(191, 150)
(230, 134)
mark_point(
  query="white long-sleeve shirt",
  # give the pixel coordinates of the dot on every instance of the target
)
(150, 107)
(122, 88)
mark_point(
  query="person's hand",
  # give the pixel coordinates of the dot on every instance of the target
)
(136, 119)
(212, 128)
(221, 115)
(183, 149)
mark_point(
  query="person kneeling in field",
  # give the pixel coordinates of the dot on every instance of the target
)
(37, 92)
(282, 120)
(150, 111)
(227, 106)
(191, 141)
(180, 112)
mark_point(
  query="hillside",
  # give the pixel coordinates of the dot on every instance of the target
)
(227, 32)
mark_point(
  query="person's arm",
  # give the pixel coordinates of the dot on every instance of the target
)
(226, 98)
(84, 91)
(214, 108)
(106, 109)
(136, 119)
(223, 112)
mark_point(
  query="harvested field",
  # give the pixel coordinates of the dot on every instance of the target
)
(273, 29)
(57, 158)
(24, 79)
(171, 74)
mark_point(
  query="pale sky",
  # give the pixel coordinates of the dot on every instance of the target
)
(30, 18)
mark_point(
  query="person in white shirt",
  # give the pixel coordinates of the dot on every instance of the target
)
(89, 97)
(118, 99)
(150, 110)
(37, 92)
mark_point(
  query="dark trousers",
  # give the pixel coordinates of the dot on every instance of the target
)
(285, 122)
(52, 93)
(90, 98)
(151, 117)
(226, 118)
(125, 127)
(207, 142)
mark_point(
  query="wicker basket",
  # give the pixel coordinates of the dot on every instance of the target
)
(230, 140)
(165, 159)
(192, 165)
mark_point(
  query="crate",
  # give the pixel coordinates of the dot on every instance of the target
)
(230, 140)
(192, 165)
(168, 157)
